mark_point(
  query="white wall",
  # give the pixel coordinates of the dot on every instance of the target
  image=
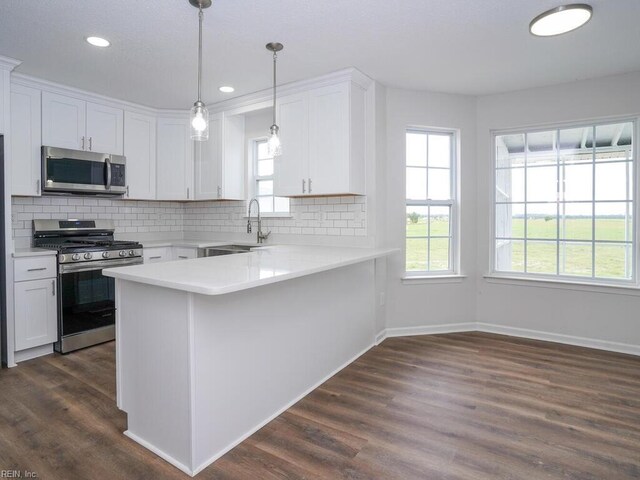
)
(608, 317)
(419, 305)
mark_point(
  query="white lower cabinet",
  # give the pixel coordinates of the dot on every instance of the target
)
(184, 253)
(36, 306)
(157, 254)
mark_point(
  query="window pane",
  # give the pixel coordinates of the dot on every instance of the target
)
(578, 182)
(576, 221)
(542, 221)
(281, 205)
(510, 185)
(510, 151)
(265, 187)
(613, 181)
(417, 221)
(614, 221)
(542, 148)
(440, 150)
(541, 257)
(613, 261)
(439, 254)
(263, 150)
(439, 184)
(575, 259)
(510, 255)
(416, 149)
(614, 142)
(510, 220)
(576, 145)
(266, 204)
(417, 183)
(542, 184)
(417, 254)
(265, 167)
(439, 221)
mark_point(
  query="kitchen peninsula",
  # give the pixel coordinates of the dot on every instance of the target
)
(211, 349)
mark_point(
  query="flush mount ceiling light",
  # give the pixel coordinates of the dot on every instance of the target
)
(273, 145)
(561, 20)
(227, 89)
(98, 42)
(199, 112)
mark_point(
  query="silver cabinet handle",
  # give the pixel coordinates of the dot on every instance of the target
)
(183, 257)
(155, 258)
(303, 184)
(90, 143)
(108, 184)
(36, 269)
(53, 288)
(127, 190)
(38, 187)
(309, 185)
(187, 192)
(83, 142)
(219, 191)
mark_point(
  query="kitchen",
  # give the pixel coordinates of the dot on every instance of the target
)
(121, 215)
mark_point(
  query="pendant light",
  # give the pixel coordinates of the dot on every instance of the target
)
(199, 114)
(273, 145)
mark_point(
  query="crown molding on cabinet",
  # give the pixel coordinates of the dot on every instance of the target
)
(8, 63)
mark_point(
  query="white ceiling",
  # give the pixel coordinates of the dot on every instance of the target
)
(459, 46)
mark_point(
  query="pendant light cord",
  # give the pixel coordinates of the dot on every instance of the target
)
(200, 15)
(275, 56)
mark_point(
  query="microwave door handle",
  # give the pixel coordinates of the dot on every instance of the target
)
(108, 184)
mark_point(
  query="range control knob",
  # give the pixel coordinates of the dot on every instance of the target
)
(105, 254)
(75, 256)
(131, 253)
(122, 253)
(88, 256)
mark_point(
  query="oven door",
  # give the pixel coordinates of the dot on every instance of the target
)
(66, 170)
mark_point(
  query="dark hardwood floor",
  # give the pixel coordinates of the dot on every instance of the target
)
(454, 406)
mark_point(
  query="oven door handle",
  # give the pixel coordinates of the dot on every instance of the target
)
(109, 310)
(99, 265)
(107, 185)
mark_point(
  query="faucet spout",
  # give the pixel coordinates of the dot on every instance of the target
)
(260, 236)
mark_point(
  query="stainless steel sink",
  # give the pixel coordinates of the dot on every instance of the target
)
(223, 250)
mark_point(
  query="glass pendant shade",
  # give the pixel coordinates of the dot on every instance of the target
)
(273, 144)
(199, 122)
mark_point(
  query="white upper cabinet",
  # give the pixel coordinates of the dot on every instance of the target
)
(25, 140)
(175, 159)
(68, 122)
(219, 163)
(140, 150)
(291, 167)
(105, 129)
(323, 142)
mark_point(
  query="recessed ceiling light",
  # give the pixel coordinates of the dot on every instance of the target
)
(98, 42)
(227, 89)
(561, 19)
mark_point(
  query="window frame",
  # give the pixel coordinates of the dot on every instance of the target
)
(452, 203)
(253, 178)
(583, 281)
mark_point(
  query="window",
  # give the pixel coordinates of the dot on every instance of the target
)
(430, 201)
(564, 202)
(263, 181)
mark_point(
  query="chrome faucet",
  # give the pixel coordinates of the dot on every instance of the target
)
(261, 236)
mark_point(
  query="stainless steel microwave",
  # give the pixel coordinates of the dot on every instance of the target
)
(77, 171)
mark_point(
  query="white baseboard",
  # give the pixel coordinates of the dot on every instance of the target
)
(159, 452)
(380, 336)
(560, 338)
(34, 352)
(510, 331)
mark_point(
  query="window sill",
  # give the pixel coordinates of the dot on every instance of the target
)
(423, 279)
(564, 284)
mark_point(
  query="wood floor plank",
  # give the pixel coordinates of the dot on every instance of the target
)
(461, 406)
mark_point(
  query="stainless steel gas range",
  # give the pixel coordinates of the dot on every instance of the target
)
(86, 298)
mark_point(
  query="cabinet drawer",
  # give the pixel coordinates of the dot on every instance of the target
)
(183, 253)
(34, 268)
(157, 254)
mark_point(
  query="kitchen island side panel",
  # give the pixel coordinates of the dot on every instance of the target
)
(153, 364)
(258, 351)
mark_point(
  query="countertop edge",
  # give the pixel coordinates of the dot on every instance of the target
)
(32, 252)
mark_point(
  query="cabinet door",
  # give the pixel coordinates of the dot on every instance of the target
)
(207, 162)
(232, 171)
(26, 139)
(104, 129)
(329, 140)
(63, 122)
(36, 313)
(174, 169)
(290, 168)
(140, 150)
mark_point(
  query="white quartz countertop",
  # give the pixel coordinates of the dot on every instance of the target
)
(232, 273)
(33, 252)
